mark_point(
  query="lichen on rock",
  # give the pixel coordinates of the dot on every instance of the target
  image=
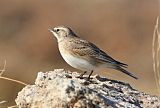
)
(62, 89)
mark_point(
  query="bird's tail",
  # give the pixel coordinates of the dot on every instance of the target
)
(125, 71)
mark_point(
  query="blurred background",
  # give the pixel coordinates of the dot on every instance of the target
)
(122, 28)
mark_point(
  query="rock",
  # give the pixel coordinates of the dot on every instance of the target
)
(62, 89)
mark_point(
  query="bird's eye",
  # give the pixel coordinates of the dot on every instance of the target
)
(57, 30)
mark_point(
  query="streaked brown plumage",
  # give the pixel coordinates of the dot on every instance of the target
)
(82, 54)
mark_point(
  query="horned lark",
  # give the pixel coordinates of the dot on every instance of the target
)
(84, 55)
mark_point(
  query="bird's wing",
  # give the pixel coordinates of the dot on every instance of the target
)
(85, 48)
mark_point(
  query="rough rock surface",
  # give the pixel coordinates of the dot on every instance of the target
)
(61, 89)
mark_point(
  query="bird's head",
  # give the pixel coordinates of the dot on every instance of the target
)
(60, 32)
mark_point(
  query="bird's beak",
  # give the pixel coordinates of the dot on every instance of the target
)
(51, 30)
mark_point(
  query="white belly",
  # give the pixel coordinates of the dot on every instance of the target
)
(78, 63)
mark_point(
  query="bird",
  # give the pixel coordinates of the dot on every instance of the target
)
(84, 55)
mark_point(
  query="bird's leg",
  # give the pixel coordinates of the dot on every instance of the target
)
(81, 76)
(89, 75)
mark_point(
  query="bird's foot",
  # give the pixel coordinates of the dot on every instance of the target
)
(81, 76)
(89, 77)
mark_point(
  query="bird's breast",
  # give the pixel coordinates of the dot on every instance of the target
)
(75, 61)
